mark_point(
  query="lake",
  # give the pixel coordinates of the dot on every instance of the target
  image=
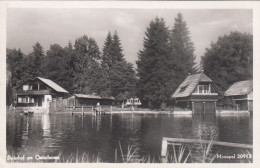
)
(68, 134)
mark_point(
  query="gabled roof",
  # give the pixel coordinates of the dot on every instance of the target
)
(189, 84)
(53, 85)
(240, 88)
(92, 96)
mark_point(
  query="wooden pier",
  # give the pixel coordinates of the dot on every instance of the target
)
(179, 141)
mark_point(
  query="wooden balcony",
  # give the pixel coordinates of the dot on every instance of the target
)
(204, 97)
(34, 92)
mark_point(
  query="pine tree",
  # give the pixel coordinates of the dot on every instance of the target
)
(230, 59)
(118, 75)
(152, 66)
(37, 58)
(117, 49)
(182, 54)
(69, 67)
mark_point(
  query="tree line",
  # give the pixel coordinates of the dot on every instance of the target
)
(164, 62)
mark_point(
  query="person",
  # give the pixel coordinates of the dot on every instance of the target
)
(98, 108)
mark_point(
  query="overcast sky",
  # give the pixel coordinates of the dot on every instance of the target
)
(49, 26)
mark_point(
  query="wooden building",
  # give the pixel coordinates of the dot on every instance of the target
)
(242, 95)
(85, 100)
(38, 92)
(135, 102)
(197, 93)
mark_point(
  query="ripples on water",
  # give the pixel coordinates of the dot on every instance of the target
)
(64, 133)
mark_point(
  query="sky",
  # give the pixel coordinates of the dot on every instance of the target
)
(26, 26)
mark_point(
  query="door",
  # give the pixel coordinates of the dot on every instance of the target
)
(40, 99)
(198, 108)
(204, 108)
(209, 108)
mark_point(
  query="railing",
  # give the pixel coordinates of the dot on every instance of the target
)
(205, 94)
(33, 92)
(178, 141)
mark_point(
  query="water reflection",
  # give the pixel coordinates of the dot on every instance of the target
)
(66, 134)
(205, 126)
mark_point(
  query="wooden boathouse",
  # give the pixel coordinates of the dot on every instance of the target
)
(197, 93)
(242, 95)
(87, 100)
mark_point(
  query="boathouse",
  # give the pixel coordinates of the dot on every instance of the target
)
(86, 100)
(197, 93)
(242, 95)
(38, 92)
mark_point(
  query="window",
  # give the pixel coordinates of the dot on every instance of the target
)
(203, 88)
(20, 100)
(35, 87)
(42, 87)
(25, 87)
(183, 88)
(32, 100)
(24, 100)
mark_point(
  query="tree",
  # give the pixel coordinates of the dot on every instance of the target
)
(118, 75)
(182, 53)
(36, 58)
(15, 66)
(152, 65)
(117, 50)
(230, 59)
(122, 80)
(55, 65)
(87, 55)
(14, 72)
(69, 67)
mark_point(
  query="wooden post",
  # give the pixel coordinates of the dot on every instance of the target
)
(192, 107)
(82, 111)
(92, 108)
(111, 110)
(204, 108)
(215, 107)
(164, 147)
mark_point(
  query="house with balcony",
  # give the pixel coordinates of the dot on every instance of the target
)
(37, 92)
(135, 102)
(241, 93)
(197, 93)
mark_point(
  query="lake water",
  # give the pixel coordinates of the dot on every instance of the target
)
(69, 134)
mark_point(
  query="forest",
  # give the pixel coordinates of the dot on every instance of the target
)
(164, 62)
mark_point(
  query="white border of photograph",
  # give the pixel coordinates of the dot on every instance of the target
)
(255, 5)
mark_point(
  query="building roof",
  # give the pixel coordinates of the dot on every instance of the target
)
(240, 88)
(53, 85)
(189, 84)
(88, 96)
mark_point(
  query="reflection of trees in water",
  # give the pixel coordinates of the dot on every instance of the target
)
(239, 126)
(205, 126)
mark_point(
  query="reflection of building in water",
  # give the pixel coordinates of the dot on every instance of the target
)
(46, 124)
(205, 126)
(96, 122)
